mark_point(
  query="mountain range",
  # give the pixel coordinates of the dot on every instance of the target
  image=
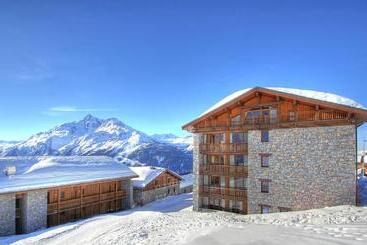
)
(111, 137)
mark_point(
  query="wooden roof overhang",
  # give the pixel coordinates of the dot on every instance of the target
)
(362, 113)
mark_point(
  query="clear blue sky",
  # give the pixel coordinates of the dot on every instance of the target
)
(158, 64)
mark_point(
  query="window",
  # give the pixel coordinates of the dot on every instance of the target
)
(264, 135)
(238, 160)
(241, 182)
(265, 160)
(283, 209)
(216, 159)
(223, 204)
(205, 201)
(239, 138)
(265, 185)
(215, 181)
(236, 120)
(222, 181)
(218, 138)
(291, 116)
(232, 182)
(265, 209)
(204, 180)
(62, 195)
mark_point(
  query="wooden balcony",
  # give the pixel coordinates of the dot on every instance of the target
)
(223, 148)
(223, 170)
(52, 208)
(304, 119)
(222, 192)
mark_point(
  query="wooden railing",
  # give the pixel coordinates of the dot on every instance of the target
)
(223, 170)
(224, 192)
(303, 118)
(52, 208)
(223, 148)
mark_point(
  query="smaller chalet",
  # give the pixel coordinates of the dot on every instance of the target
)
(186, 183)
(154, 183)
(38, 192)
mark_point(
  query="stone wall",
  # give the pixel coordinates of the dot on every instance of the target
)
(128, 202)
(309, 168)
(7, 214)
(196, 161)
(145, 197)
(34, 208)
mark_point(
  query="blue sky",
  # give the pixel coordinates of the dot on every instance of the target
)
(158, 64)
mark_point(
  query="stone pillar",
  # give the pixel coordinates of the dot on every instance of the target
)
(128, 202)
(34, 208)
(7, 214)
(196, 162)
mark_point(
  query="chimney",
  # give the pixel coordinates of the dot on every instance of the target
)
(10, 170)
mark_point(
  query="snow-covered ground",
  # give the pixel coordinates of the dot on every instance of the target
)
(172, 221)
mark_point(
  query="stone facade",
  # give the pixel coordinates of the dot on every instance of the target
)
(34, 208)
(7, 214)
(128, 202)
(309, 168)
(144, 197)
(197, 157)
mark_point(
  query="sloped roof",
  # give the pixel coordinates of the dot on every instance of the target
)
(316, 96)
(46, 172)
(147, 174)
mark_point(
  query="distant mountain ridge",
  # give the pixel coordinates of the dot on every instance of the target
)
(111, 137)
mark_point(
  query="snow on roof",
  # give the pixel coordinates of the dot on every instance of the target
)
(323, 96)
(187, 180)
(147, 174)
(45, 172)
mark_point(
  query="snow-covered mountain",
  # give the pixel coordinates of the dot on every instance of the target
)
(111, 137)
(185, 142)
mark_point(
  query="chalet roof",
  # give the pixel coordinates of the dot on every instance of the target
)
(46, 172)
(299, 94)
(148, 173)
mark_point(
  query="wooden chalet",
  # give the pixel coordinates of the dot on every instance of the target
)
(154, 183)
(237, 168)
(48, 191)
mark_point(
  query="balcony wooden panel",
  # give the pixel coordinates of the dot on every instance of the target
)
(69, 204)
(304, 119)
(90, 199)
(52, 208)
(223, 148)
(223, 170)
(108, 196)
(222, 192)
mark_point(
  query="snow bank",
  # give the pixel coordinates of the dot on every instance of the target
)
(45, 172)
(172, 221)
(323, 96)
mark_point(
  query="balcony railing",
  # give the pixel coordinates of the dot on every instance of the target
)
(238, 193)
(304, 118)
(223, 148)
(223, 170)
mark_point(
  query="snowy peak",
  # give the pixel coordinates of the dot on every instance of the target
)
(109, 137)
(182, 142)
